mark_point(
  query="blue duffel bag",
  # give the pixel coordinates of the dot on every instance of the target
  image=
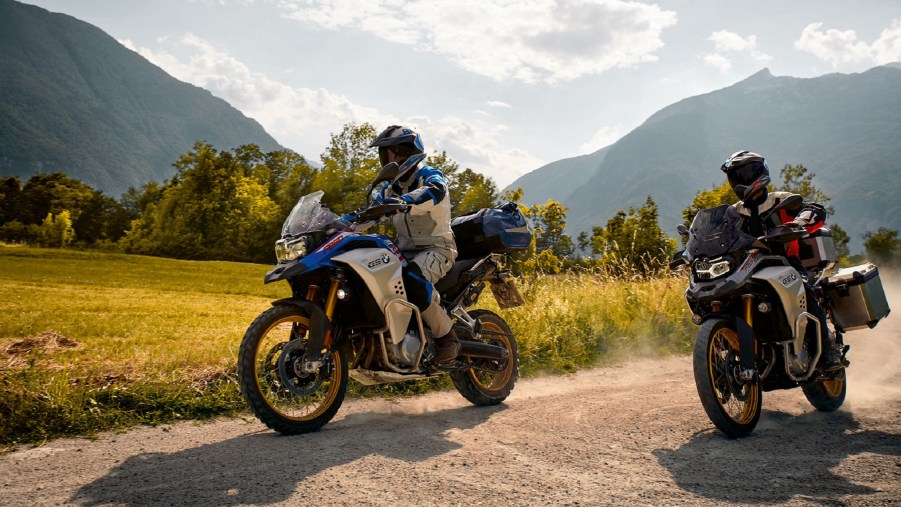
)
(502, 229)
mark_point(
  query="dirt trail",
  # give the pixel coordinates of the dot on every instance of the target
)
(631, 435)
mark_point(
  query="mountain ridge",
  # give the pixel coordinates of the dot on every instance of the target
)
(828, 123)
(75, 100)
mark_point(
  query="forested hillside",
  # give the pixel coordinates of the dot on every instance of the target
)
(74, 100)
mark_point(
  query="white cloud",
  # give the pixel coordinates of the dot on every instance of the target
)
(833, 45)
(733, 44)
(841, 47)
(887, 47)
(303, 119)
(604, 137)
(526, 40)
(497, 103)
(719, 61)
(477, 145)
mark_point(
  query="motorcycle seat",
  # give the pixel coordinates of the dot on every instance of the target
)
(452, 281)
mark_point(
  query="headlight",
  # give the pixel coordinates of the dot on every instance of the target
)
(289, 250)
(708, 270)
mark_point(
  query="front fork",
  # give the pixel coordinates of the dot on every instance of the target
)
(747, 343)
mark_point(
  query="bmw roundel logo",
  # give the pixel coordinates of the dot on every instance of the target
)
(385, 258)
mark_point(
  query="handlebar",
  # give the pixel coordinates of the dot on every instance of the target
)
(381, 210)
(784, 234)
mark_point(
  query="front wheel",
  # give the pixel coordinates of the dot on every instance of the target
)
(274, 382)
(827, 395)
(732, 406)
(489, 382)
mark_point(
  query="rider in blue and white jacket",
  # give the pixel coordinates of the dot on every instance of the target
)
(424, 234)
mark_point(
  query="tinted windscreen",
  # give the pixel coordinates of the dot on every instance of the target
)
(308, 215)
(717, 231)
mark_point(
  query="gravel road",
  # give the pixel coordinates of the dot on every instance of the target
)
(629, 435)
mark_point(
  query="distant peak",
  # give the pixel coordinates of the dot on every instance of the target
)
(760, 75)
(893, 65)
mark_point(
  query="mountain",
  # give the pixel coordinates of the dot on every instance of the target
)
(845, 128)
(72, 99)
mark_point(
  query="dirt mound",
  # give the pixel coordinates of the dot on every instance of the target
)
(48, 342)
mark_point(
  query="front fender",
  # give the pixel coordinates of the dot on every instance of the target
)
(285, 271)
(319, 323)
(745, 333)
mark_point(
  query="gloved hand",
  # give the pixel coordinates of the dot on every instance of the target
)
(388, 200)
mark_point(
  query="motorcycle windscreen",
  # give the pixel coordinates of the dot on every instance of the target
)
(717, 231)
(308, 215)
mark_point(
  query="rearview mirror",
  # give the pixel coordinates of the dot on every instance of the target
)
(682, 230)
(678, 261)
(793, 202)
(388, 173)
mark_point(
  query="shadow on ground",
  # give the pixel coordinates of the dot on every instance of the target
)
(787, 456)
(266, 468)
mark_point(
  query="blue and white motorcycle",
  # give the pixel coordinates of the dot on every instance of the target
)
(350, 316)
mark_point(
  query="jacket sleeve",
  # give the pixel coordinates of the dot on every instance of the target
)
(811, 215)
(432, 189)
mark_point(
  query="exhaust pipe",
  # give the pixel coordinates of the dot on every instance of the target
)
(478, 349)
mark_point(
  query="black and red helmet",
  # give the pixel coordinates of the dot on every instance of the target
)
(747, 173)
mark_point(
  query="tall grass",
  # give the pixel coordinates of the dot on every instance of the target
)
(150, 340)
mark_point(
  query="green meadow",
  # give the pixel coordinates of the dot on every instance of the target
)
(93, 341)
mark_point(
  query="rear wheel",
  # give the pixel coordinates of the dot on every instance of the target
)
(489, 382)
(827, 395)
(733, 407)
(283, 394)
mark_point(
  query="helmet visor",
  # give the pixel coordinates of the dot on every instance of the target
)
(744, 174)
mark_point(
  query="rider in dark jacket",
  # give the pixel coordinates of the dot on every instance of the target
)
(749, 176)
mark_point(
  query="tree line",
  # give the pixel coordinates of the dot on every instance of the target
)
(229, 205)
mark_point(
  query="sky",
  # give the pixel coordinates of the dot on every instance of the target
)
(503, 86)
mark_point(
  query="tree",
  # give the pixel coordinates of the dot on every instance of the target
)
(883, 246)
(217, 206)
(349, 167)
(716, 196)
(478, 191)
(795, 179)
(549, 222)
(841, 240)
(633, 241)
(10, 192)
(52, 193)
(469, 190)
(56, 230)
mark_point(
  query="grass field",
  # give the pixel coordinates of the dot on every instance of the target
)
(92, 341)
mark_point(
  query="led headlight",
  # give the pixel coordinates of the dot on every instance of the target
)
(708, 270)
(286, 251)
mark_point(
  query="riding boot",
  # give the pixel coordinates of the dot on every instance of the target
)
(832, 356)
(447, 347)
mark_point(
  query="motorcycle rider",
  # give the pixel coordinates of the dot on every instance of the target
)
(424, 234)
(748, 175)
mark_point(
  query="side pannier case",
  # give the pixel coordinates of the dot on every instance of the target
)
(817, 251)
(857, 297)
(502, 229)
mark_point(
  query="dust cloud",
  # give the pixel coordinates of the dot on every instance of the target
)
(874, 377)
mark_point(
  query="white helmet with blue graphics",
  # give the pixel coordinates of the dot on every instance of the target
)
(401, 145)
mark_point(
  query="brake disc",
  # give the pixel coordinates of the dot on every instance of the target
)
(293, 378)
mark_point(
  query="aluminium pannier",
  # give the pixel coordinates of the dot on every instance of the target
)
(858, 299)
(502, 229)
(817, 251)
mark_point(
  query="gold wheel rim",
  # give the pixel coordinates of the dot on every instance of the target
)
(834, 387)
(495, 382)
(722, 343)
(294, 408)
